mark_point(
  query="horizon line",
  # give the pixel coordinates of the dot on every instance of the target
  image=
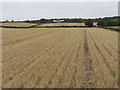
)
(64, 18)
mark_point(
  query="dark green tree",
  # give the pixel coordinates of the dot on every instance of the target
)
(118, 21)
(89, 23)
(101, 23)
(12, 20)
(6, 20)
(43, 20)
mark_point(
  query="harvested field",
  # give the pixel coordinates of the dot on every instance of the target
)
(0, 58)
(17, 24)
(63, 24)
(60, 58)
(114, 27)
(95, 23)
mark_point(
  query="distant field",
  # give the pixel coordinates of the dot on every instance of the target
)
(17, 24)
(22, 24)
(114, 27)
(64, 24)
(95, 23)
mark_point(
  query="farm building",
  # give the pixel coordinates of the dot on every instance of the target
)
(58, 21)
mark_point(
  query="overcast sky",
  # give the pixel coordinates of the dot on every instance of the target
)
(37, 10)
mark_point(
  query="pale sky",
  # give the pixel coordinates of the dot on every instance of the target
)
(37, 10)
(59, 0)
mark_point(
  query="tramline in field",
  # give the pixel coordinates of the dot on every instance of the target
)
(60, 58)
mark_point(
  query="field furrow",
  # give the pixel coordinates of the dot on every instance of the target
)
(60, 58)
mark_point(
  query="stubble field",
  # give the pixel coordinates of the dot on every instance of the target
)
(64, 24)
(60, 58)
(17, 24)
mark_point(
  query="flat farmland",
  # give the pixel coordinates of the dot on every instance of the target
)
(114, 27)
(64, 24)
(17, 24)
(60, 58)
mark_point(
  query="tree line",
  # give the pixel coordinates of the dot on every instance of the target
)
(65, 20)
(106, 21)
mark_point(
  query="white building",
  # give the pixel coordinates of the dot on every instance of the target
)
(58, 21)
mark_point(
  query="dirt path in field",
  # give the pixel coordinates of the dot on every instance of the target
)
(60, 58)
(88, 65)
